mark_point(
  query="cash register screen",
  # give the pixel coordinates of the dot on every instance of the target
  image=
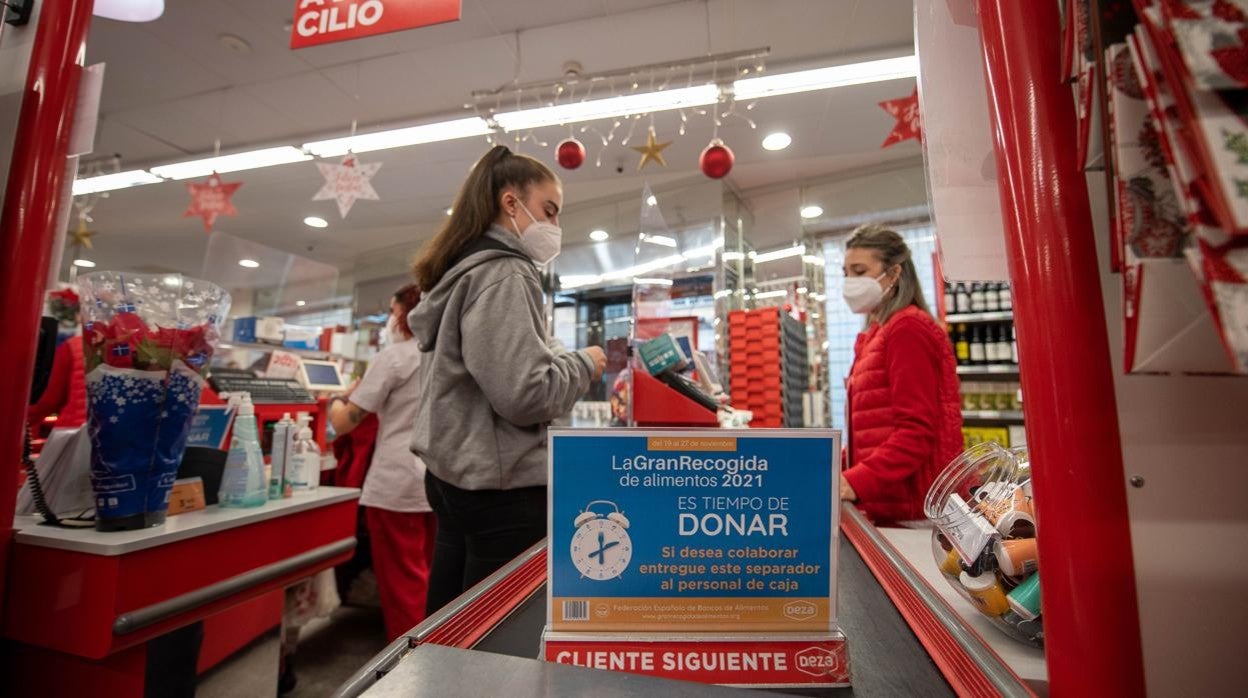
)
(322, 375)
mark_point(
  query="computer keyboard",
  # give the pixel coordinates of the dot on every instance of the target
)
(262, 390)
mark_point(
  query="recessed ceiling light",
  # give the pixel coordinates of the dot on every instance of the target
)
(598, 235)
(777, 141)
(84, 263)
(812, 211)
(449, 210)
(301, 303)
(173, 281)
(315, 222)
(249, 263)
(651, 200)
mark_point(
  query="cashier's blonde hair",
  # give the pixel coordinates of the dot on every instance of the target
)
(891, 249)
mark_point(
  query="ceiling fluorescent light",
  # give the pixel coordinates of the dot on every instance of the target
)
(575, 112)
(770, 294)
(734, 256)
(779, 254)
(117, 180)
(400, 137)
(825, 78)
(249, 160)
(812, 259)
(652, 282)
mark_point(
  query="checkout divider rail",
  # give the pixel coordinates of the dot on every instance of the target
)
(529, 570)
(967, 663)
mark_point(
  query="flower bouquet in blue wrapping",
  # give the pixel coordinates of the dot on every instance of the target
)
(147, 343)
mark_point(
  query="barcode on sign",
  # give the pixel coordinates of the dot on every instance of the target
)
(576, 610)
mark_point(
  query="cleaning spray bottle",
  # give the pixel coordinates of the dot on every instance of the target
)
(279, 476)
(243, 483)
(305, 462)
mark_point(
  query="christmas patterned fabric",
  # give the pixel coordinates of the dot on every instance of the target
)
(147, 342)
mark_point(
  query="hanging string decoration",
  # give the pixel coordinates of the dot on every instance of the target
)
(211, 200)
(347, 182)
(909, 123)
(585, 104)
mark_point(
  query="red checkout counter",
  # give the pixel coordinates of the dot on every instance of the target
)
(906, 636)
(89, 613)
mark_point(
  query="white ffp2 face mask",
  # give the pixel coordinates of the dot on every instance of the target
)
(541, 240)
(863, 293)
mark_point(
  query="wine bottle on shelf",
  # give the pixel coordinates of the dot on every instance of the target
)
(1005, 354)
(963, 298)
(1005, 297)
(992, 300)
(1013, 346)
(977, 298)
(978, 356)
(990, 344)
(950, 299)
(962, 345)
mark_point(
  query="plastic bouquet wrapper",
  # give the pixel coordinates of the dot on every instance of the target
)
(147, 343)
(985, 537)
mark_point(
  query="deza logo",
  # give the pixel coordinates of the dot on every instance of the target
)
(817, 661)
(800, 610)
(326, 21)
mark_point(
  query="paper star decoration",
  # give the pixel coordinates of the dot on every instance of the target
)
(909, 124)
(651, 151)
(81, 237)
(211, 199)
(347, 182)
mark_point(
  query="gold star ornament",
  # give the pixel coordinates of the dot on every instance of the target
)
(651, 151)
(80, 236)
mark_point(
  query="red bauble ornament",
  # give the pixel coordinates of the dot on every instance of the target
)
(570, 153)
(716, 160)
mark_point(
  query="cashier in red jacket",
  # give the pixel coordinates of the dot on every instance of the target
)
(905, 412)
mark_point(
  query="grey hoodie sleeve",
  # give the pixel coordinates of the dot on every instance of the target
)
(525, 382)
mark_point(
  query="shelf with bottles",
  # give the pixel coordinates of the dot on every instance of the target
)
(983, 345)
(993, 415)
(997, 401)
(989, 370)
(998, 316)
(977, 298)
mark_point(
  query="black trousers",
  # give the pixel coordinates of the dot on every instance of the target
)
(479, 531)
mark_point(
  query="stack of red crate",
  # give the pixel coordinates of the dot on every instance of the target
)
(754, 353)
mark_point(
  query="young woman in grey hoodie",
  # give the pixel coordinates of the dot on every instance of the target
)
(491, 379)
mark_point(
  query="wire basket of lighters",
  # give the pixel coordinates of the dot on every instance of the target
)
(985, 537)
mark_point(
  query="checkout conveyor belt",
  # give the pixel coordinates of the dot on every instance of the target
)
(887, 658)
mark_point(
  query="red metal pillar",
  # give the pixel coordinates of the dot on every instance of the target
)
(28, 223)
(1091, 619)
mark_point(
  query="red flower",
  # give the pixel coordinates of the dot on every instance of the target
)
(129, 324)
(66, 295)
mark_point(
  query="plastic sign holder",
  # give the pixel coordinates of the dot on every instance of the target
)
(699, 555)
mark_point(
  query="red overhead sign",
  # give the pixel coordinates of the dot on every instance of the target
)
(329, 21)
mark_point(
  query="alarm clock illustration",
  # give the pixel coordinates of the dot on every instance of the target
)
(601, 547)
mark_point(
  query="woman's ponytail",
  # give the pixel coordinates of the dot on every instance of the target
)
(476, 208)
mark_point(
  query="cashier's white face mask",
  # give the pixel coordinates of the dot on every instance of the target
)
(863, 293)
(541, 240)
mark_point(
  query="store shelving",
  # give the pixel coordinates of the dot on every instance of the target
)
(999, 316)
(994, 415)
(988, 369)
(308, 353)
